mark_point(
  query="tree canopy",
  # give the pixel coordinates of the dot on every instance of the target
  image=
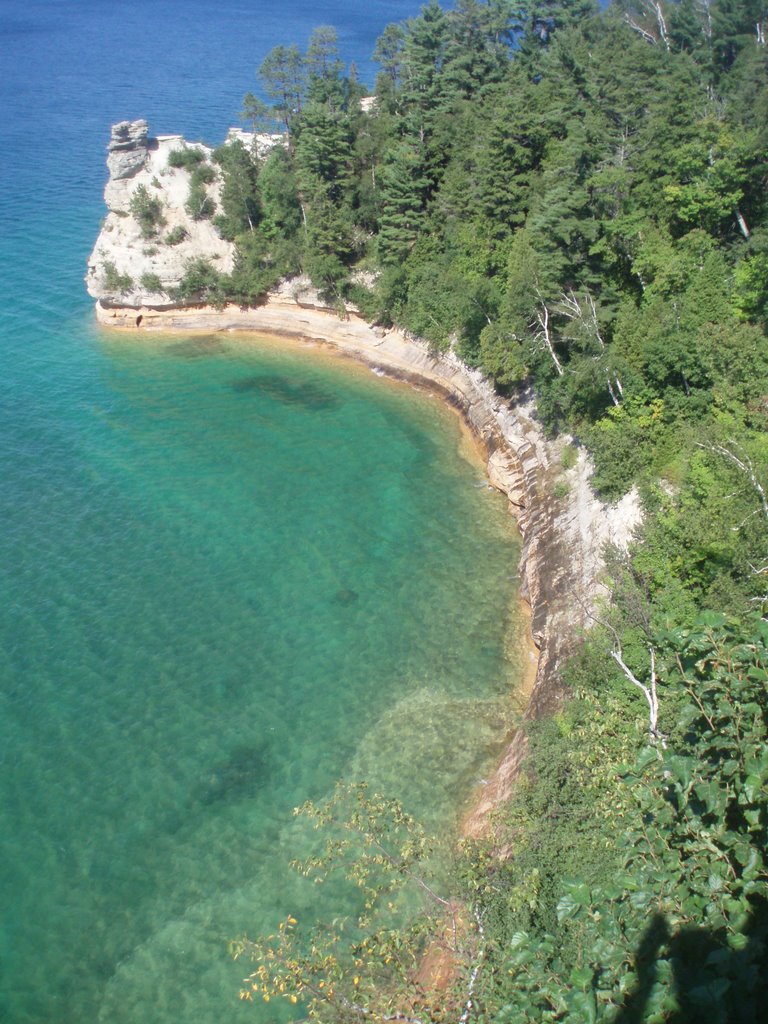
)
(575, 198)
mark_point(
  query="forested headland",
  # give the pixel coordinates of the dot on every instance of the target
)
(576, 199)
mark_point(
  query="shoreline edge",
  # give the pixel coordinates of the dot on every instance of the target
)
(564, 534)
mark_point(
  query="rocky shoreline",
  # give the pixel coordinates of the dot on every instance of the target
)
(563, 525)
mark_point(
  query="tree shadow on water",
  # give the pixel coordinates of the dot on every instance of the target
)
(711, 982)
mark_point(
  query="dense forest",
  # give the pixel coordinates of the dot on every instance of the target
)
(574, 198)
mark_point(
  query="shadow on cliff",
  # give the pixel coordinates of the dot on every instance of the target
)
(711, 982)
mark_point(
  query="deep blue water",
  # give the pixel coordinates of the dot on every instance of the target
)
(228, 576)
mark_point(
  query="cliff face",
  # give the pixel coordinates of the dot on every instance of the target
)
(130, 266)
(136, 262)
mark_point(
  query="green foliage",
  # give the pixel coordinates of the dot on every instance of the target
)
(622, 443)
(259, 266)
(199, 205)
(283, 78)
(151, 283)
(203, 174)
(240, 206)
(403, 188)
(148, 211)
(255, 113)
(670, 922)
(751, 282)
(354, 969)
(176, 235)
(575, 199)
(282, 218)
(114, 281)
(201, 283)
(188, 157)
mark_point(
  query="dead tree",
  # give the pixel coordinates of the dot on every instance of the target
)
(649, 11)
(649, 690)
(744, 464)
(543, 335)
(574, 309)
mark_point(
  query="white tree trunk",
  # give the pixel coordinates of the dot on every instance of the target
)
(742, 223)
(543, 336)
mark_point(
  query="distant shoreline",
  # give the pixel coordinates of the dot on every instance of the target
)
(563, 538)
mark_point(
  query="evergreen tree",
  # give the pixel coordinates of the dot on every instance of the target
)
(324, 68)
(403, 190)
(240, 207)
(283, 78)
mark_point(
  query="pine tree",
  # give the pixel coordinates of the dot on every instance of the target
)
(240, 207)
(283, 77)
(403, 190)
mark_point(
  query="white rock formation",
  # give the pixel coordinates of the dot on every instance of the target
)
(121, 251)
(259, 142)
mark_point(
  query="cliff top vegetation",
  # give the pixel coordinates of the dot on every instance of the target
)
(573, 197)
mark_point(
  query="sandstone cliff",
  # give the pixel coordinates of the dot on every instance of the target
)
(134, 264)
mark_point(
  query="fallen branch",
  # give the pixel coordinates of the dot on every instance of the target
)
(475, 971)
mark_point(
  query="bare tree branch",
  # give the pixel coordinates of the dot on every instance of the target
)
(543, 335)
(475, 971)
(571, 308)
(652, 11)
(745, 464)
(647, 36)
(650, 691)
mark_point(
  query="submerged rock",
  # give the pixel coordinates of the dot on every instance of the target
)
(240, 776)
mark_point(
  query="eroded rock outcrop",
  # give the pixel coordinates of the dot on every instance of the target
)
(141, 260)
(128, 148)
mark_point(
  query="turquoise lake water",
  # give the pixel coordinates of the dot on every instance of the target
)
(229, 574)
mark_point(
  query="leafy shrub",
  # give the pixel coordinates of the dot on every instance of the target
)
(203, 174)
(561, 490)
(115, 281)
(152, 283)
(148, 211)
(176, 235)
(199, 204)
(201, 283)
(569, 457)
(189, 159)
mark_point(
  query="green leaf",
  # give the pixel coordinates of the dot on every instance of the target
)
(681, 769)
(707, 995)
(649, 755)
(582, 976)
(711, 619)
(641, 899)
(753, 866)
(568, 907)
(715, 882)
(753, 788)
(584, 1005)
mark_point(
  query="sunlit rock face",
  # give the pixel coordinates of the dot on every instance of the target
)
(127, 149)
(134, 267)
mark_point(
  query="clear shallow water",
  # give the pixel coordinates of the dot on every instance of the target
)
(228, 576)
